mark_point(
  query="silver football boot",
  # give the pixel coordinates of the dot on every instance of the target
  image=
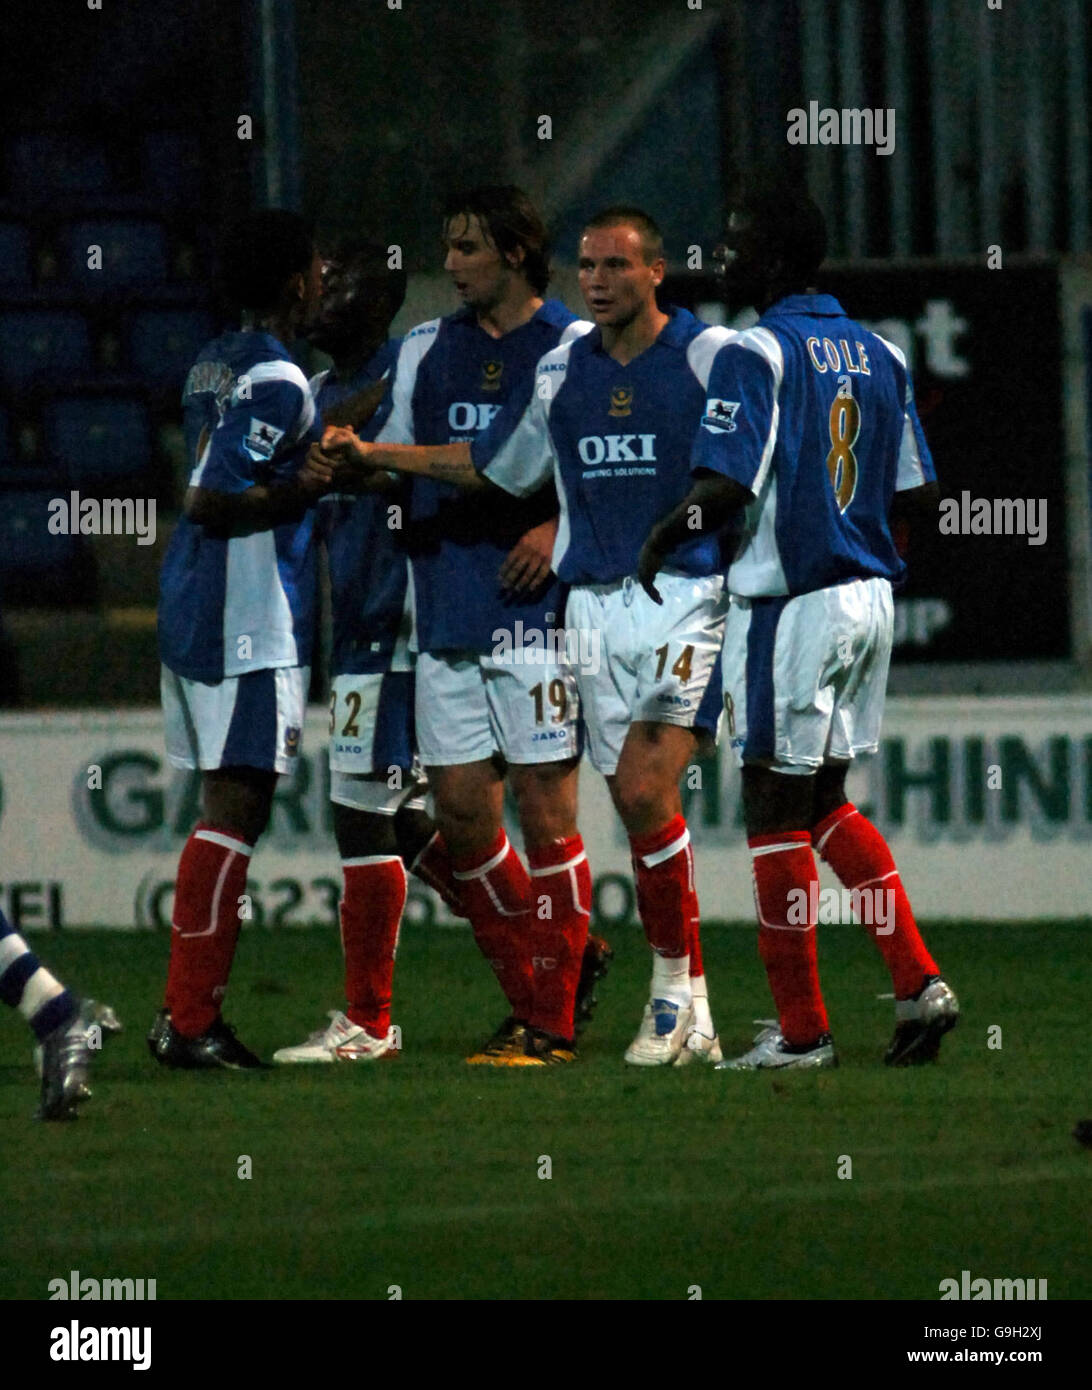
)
(64, 1058)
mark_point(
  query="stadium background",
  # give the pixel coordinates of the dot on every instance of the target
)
(121, 128)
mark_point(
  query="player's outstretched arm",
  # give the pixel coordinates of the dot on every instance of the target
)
(708, 505)
(357, 409)
(444, 463)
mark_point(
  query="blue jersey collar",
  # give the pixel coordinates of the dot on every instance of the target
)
(813, 305)
(677, 332)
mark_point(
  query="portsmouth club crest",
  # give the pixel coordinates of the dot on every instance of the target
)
(621, 399)
(292, 740)
(491, 376)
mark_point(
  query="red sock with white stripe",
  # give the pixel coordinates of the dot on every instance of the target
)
(861, 858)
(371, 913)
(561, 892)
(433, 867)
(496, 893)
(663, 867)
(205, 926)
(786, 897)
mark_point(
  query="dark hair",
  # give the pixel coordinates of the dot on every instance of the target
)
(511, 222)
(790, 221)
(371, 259)
(625, 215)
(260, 254)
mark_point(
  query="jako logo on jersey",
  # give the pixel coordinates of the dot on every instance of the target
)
(621, 398)
(720, 416)
(491, 375)
(616, 448)
(464, 416)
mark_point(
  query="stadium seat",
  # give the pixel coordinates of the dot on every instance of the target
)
(171, 168)
(14, 255)
(164, 342)
(35, 565)
(133, 252)
(97, 437)
(47, 164)
(42, 344)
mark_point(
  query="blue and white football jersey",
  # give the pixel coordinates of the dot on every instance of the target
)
(229, 606)
(617, 439)
(815, 415)
(367, 559)
(450, 381)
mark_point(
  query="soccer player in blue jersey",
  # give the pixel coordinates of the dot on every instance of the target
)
(483, 707)
(236, 614)
(67, 1030)
(611, 419)
(810, 429)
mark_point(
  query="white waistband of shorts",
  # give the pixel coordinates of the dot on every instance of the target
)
(631, 581)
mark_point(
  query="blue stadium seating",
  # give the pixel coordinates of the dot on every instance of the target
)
(132, 253)
(14, 255)
(35, 565)
(171, 168)
(42, 345)
(164, 342)
(98, 436)
(46, 164)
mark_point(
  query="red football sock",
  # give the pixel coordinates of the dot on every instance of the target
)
(663, 867)
(496, 894)
(205, 926)
(433, 867)
(561, 892)
(783, 864)
(697, 966)
(861, 858)
(371, 913)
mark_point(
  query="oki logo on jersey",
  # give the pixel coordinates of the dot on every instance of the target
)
(262, 439)
(464, 416)
(617, 448)
(720, 416)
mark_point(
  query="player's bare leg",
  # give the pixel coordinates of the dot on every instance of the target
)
(546, 801)
(211, 882)
(645, 790)
(925, 1007)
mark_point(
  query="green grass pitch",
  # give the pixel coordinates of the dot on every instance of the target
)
(424, 1173)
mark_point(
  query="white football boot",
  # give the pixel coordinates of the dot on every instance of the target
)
(770, 1053)
(702, 1043)
(342, 1041)
(662, 1034)
(921, 1022)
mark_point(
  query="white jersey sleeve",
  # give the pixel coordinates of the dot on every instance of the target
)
(397, 424)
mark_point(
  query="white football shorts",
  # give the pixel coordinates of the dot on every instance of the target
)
(373, 760)
(471, 706)
(254, 720)
(640, 660)
(805, 677)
